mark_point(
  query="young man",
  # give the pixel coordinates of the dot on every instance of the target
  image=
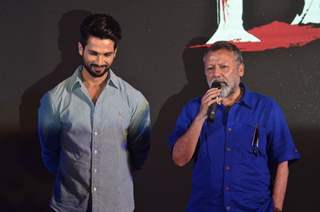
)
(94, 128)
(237, 152)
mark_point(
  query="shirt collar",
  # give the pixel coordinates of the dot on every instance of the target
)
(76, 79)
(246, 99)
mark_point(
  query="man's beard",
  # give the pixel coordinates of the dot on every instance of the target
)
(226, 89)
(90, 68)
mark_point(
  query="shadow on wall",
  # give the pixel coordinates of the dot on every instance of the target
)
(29, 184)
(161, 186)
(303, 186)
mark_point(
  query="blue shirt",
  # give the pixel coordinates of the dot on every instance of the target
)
(92, 148)
(236, 154)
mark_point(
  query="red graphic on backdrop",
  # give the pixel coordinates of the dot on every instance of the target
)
(280, 35)
(302, 30)
(277, 35)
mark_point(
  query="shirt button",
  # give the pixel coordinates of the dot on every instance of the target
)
(228, 149)
(227, 188)
(95, 151)
(228, 208)
(95, 133)
(95, 170)
(227, 168)
(229, 129)
(94, 189)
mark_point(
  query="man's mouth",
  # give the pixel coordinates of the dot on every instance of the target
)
(222, 83)
(98, 68)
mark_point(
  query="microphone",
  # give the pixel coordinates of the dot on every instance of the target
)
(212, 108)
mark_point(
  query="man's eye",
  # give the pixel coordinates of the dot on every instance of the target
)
(93, 53)
(107, 54)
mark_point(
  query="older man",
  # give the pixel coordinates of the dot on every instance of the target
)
(240, 149)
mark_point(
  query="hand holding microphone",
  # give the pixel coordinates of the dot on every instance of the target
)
(211, 110)
(209, 100)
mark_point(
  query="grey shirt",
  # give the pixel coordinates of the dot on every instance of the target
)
(93, 148)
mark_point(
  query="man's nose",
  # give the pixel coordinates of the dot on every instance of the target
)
(215, 72)
(100, 60)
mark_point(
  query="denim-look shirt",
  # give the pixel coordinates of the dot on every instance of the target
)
(236, 154)
(92, 148)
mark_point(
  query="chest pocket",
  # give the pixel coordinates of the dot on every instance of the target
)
(251, 140)
(116, 116)
(113, 123)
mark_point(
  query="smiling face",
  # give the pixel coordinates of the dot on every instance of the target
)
(98, 56)
(222, 66)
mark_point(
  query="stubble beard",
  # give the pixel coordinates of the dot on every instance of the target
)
(90, 70)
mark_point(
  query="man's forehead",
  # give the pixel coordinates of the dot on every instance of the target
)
(100, 49)
(221, 55)
(94, 42)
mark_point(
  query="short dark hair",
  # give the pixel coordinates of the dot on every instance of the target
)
(227, 46)
(102, 26)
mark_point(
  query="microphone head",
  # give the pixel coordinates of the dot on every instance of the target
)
(216, 84)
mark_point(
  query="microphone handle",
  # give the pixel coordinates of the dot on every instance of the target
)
(212, 112)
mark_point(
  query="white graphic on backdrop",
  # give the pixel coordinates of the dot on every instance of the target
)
(230, 23)
(310, 13)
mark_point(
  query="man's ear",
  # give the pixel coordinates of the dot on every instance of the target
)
(241, 70)
(80, 49)
(115, 52)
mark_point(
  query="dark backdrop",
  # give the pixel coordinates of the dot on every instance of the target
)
(38, 50)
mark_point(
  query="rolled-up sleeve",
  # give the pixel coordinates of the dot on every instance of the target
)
(183, 122)
(282, 145)
(49, 134)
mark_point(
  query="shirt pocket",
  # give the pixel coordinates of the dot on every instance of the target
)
(114, 125)
(252, 166)
(123, 119)
(252, 141)
(116, 116)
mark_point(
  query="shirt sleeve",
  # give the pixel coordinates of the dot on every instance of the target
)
(49, 134)
(183, 123)
(139, 133)
(282, 145)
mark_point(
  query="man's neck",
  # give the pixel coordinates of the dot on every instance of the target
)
(94, 85)
(90, 81)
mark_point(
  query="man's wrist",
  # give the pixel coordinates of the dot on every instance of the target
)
(277, 210)
(200, 118)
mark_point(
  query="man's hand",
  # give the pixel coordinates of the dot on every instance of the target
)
(209, 98)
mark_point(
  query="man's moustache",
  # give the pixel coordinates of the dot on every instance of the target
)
(222, 83)
(98, 66)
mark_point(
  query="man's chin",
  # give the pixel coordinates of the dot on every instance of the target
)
(97, 74)
(225, 92)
